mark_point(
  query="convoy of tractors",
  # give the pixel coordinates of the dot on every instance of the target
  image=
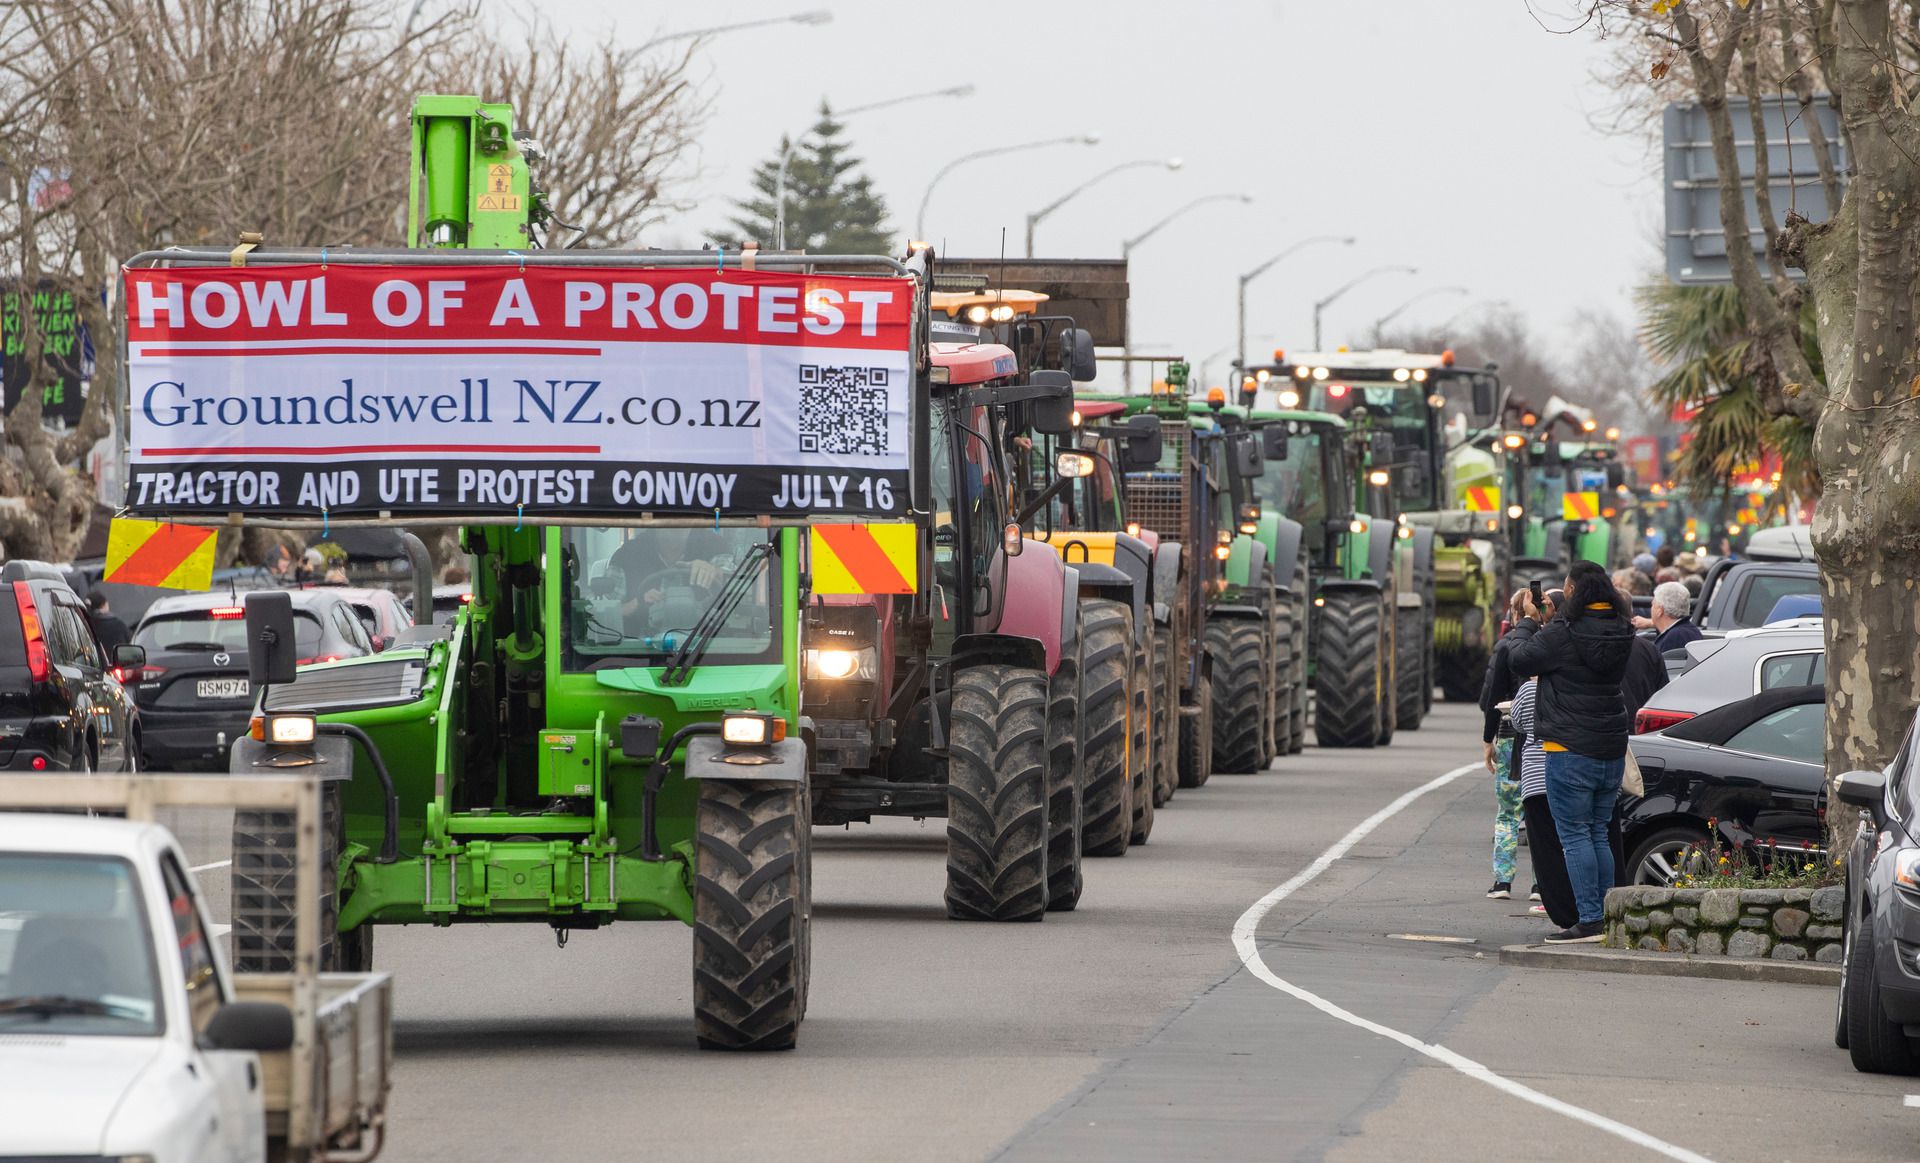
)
(848, 536)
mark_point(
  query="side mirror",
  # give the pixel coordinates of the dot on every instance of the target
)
(1616, 475)
(260, 1026)
(1413, 478)
(1273, 441)
(1052, 413)
(1486, 399)
(1246, 455)
(1863, 789)
(1380, 446)
(129, 656)
(270, 643)
(1076, 353)
(1142, 444)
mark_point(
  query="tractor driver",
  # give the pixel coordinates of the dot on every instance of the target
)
(650, 553)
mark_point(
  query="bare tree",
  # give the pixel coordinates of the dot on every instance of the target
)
(131, 124)
(1862, 280)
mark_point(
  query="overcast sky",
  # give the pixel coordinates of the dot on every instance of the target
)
(1457, 137)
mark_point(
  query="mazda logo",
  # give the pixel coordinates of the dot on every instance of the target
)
(222, 658)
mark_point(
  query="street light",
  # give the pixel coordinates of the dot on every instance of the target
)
(788, 145)
(813, 16)
(1126, 250)
(1380, 323)
(920, 218)
(1262, 269)
(1323, 304)
(1469, 309)
(1033, 219)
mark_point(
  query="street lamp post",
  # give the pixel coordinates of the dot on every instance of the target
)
(788, 145)
(1262, 269)
(1126, 251)
(1469, 309)
(1380, 324)
(811, 16)
(1323, 304)
(920, 218)
(1033, 219)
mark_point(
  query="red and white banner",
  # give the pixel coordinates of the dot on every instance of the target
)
(303, 390)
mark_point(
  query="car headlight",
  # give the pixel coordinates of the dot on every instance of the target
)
(835, 665)
(1906, 869)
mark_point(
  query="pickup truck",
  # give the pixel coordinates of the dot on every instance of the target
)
(1740, 595)
(123, 1034)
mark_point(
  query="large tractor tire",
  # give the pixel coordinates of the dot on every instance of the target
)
(1166, 717)
(1196, 739)
(1066, 817)
(1140, 746)
(1410, 674)
(266, 896)
(1297, 737)
(1462, 674)
(752, 914)
(1389, 672)
(997, 795)
(1239, 700)
(1350, 689)
(1106, 642)
(1280, 674)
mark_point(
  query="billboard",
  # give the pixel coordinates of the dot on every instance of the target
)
(310, 391)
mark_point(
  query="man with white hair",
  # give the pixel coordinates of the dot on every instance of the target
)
(1671, 601)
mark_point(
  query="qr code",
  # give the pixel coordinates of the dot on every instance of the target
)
(843, 410)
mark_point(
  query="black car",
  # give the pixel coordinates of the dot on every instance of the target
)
(193, 690)
(1748, 776)
(62, 707)
(1879, 1005)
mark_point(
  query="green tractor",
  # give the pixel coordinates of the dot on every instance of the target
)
(610, 729)
(1575, 501)
(1442, 486)
(1347, 573)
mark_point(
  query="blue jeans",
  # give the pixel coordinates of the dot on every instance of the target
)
(1581, 791)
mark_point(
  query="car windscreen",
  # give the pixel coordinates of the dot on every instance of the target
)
(76, 956)
(211, 631)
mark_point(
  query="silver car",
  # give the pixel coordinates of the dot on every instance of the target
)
(1740, 665)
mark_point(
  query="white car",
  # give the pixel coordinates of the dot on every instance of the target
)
(120, 1034)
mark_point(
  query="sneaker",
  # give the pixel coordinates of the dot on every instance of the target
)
(1533, 894)
(1537, 910)
(1501, 890)
(1584, 932)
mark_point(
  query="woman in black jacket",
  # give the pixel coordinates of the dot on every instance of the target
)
(1583, 723)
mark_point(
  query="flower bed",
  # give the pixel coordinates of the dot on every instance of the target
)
(1786, 924)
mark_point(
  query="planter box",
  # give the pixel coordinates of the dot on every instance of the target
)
(1792, 924)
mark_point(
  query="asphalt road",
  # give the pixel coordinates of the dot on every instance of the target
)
(1131, 1028)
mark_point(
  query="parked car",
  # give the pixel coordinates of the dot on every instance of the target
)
(62, 706)
(193, 690)
(1750, 775)
(380, 611)
(1879, 978)
(1717, 671)
(1741, 595)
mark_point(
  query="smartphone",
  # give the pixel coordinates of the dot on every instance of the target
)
(1539, 599)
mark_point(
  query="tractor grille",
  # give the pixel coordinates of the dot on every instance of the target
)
(370, 684)
(1158, 499)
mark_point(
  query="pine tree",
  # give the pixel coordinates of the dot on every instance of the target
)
(832, 207)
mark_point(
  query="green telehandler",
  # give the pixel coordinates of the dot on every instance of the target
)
(610, 728)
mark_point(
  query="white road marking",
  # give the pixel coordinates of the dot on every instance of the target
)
(1913, 1100)
(1247, 927)
(210, 867)
(1434, 937)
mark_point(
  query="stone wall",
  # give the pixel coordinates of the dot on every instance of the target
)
(1786, 924)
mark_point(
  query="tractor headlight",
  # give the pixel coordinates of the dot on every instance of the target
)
(1073, 464)
(1515, 512)
(751, 729)
(1289, 398)
(835, 665)
(284, 730)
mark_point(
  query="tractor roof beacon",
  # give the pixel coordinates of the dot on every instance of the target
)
(610, 728)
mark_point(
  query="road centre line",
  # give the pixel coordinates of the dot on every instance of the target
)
(1245, 944)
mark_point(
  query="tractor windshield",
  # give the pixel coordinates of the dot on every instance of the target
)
(1295, 486)
(633, 595)
(1406, 414)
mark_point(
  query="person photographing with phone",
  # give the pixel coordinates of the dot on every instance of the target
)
(1581, 720)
